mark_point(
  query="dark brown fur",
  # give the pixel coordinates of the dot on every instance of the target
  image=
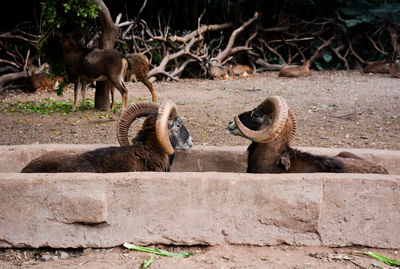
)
(85, 65)
(290, 160)
(276, 156)
(143, 155)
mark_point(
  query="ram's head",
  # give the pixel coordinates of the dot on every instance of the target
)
(272, 118)
(170, 132)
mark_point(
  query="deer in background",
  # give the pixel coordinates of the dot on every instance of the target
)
(138, 70)
(42, 82)
(239, 70)
(377, 67)
(85, 65)
(395, 67)
(304, 69)
(291, 71)
(228, 71)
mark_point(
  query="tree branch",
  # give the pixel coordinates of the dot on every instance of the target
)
(228, 49)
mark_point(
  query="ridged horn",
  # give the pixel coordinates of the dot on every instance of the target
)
(280, 111)
(293, 133)
(167, 110)
(129, 115)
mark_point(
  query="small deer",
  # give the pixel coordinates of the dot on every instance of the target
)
(218, 72)
(377, 67)
(291, 71)
(138, 70)
(395, 68)
(85, 65)
(42, 82)
(240, 70)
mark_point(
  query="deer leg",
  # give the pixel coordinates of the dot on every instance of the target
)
(83, 92)
(150, 87)
(76, 85)
(112, 97)
(124, 92)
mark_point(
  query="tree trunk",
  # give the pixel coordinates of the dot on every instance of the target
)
(108, 38)
(4, 79)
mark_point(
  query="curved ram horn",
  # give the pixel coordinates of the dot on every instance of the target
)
(167, 111)
(129, 116)
(293, 132)
(280, 111)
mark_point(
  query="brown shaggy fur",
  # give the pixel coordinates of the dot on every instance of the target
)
(276, 156)
(143, 155)
(139, 70)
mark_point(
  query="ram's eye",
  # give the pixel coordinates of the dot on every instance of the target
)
(255, 115)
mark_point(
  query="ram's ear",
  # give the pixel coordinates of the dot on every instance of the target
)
(284, 161)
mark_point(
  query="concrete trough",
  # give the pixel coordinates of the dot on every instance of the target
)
(207, 200)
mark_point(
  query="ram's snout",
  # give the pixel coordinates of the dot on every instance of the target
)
(233, 128)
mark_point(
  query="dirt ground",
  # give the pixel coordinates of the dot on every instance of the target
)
(334, 109)
(213, 257)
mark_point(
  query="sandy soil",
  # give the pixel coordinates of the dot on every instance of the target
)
(218, 257)
(334, 109)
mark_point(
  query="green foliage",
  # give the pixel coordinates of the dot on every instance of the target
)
(62, 16)
(61, 86)
(147, 263)
(45, 106)
(274, 60)
(66, 13)
(362, 11)
(183, 254)
(383, 259)
(324, 63)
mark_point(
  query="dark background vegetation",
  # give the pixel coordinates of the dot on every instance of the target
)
(362, 29)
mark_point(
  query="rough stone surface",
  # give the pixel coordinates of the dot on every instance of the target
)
(198, 208)
(356, 209)
(69, 210)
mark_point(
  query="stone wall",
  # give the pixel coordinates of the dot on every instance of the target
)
(69, 210)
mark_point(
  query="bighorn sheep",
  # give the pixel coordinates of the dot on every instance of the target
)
(85, 65)
(377, 67)
(42, 82)
(291, 71)
(272, 127)
(151, 150)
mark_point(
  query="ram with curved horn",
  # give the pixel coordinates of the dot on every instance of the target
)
(272, 127)
(152, 149)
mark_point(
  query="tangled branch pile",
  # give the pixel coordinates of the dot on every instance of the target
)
(352, 38)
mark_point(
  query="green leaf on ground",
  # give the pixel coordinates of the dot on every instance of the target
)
(146, 263)
(183, 254)
(383, 259)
